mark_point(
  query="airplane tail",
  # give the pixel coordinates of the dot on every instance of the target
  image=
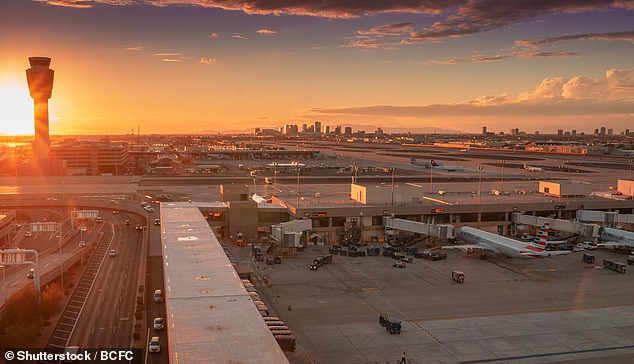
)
(436, 164)
(542, 237)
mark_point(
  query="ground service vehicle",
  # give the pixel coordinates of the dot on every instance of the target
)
(391, 325)
(588, 245)
(630, 258)
(270, 261)
(321, 260)
(398, 264)
(457, 276)
(434, 254)
(277, 259)
(588, 258)
(615, 266)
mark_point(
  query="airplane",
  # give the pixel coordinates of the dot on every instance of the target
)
(533, 168)
(484, 240)
(616, 238)
(435, 165)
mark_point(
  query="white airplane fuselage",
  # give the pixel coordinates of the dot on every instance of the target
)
(507, 246)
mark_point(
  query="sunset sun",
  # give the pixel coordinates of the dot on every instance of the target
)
(16, 109)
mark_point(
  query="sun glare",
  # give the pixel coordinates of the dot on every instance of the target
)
(16, 109)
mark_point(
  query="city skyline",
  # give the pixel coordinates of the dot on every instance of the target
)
(194, 66)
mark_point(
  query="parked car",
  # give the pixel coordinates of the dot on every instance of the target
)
(113, 253)
(31, 274)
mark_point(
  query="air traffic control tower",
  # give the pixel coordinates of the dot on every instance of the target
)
(40, 79)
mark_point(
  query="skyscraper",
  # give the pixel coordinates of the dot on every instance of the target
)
(317, 126)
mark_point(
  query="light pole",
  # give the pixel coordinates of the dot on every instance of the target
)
(274, 181)
(61, 265)
(2, 275)
(502, 176)
(480, 168)
(392, 186)
(297, 204)
(630, 168)
(431, 178)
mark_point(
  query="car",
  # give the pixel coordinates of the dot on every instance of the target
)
(157, 222)
(83, 228)
(82, 244)
(154, 346)
(138, 227)
(159, 323)
(114, 212)
(31, 274)
(113, 253)
(127, 222)
(578, 247)
(28, 234)
(158, 296)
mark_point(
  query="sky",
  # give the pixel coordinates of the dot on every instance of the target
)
(190, 66)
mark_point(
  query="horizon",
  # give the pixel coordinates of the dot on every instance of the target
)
(181, 68)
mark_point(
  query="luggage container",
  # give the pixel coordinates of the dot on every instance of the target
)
(588, 258)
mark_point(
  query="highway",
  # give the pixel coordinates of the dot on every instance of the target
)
(155, 280)
(107, 316)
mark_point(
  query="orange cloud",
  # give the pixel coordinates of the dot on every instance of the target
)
(266, 31)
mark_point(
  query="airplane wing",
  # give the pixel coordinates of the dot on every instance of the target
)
(468, 247)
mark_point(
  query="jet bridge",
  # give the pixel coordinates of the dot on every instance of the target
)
(432, 230)
(609, 219)
(288, 234)
(583, 229)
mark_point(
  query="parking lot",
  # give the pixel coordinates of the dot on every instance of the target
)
(508, 310)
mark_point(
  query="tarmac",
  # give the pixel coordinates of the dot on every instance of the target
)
(507, 311)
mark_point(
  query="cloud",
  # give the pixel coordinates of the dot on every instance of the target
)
(134, 49)
(238, 36)
(326, 9)
(557, 96)
(266, 31)
(389, 29)
(170, 57)
(166, 54)
(208, 60)
(474, 16)
(611, 36)
(84, 4)
(213, 35)
(500, 57)
(467, 17)
(78, 4)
